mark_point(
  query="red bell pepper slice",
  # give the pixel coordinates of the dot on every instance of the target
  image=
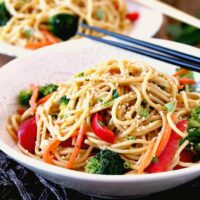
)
(185, 156)
(101, 130)
(132, 16)
(167, 155)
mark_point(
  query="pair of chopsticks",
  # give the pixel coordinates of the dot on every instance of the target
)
(168, 55)
(171, 11)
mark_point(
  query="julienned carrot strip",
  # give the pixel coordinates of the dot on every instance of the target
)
(79, 141)
(180, 72)
(186, 81)
(37, 45)
(33, 99)
(44, 99)
(165, 138)
(47, 152)
(145, 160)
(180, 87)
(49, 37)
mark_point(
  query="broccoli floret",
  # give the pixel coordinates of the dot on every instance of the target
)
(47, 89)
(4, 14)
(194, 121)
(63, 102)
(194, 130)
(63, 25)
(24, 97)
(106, 162)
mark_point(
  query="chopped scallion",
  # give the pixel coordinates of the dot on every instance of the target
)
(115, 94)
(169, 106)
(143, 112)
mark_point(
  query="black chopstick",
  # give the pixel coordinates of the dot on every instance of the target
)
(145, 52)
(194, 59)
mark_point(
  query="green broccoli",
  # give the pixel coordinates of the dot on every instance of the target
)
(106, 162)
(4, 14)
(63, 25)
(63, 102)
(194, 130)
(194, 121)
(47, 89)
(24, 97)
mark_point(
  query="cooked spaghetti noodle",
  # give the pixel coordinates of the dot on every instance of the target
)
(30, 18)
(137, 137)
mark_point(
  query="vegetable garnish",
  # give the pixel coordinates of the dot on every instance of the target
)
(167, 155)
(63, 102)
(127, 164)
(20, 111)
(155, 159)
(101, 130)
(106, 162)
(49, 37)
(78, 144)
(194, 131)
(180, 72)
(4, 14)
(108, 104)
(131, 137)
(185, 81)
(185, 156)
(100, 14)
(27, 134)
(47, 89)
(44, 99)
(115, 94)
(143, 112)
(165, 137)
(81, 74)
(28, 33)
(24, 97)
(63, 25)
(133, 16)
(180, 87)
(37, 45)
(169, 106)
(47, 152)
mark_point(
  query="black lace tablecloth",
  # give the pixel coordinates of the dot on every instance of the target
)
(17, 182)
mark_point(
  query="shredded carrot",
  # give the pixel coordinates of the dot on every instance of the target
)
(78, 144)
(186, 81)
(33, 99)
(180, 72)
(44, 99)
(49, 37)
(145, 160)
(47, 152)
(180, 87)
(37, 45)
(165, 138)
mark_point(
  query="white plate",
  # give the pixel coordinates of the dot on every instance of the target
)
(58, 62)
(146, 26)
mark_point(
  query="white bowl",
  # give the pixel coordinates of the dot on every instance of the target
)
(58, 62)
